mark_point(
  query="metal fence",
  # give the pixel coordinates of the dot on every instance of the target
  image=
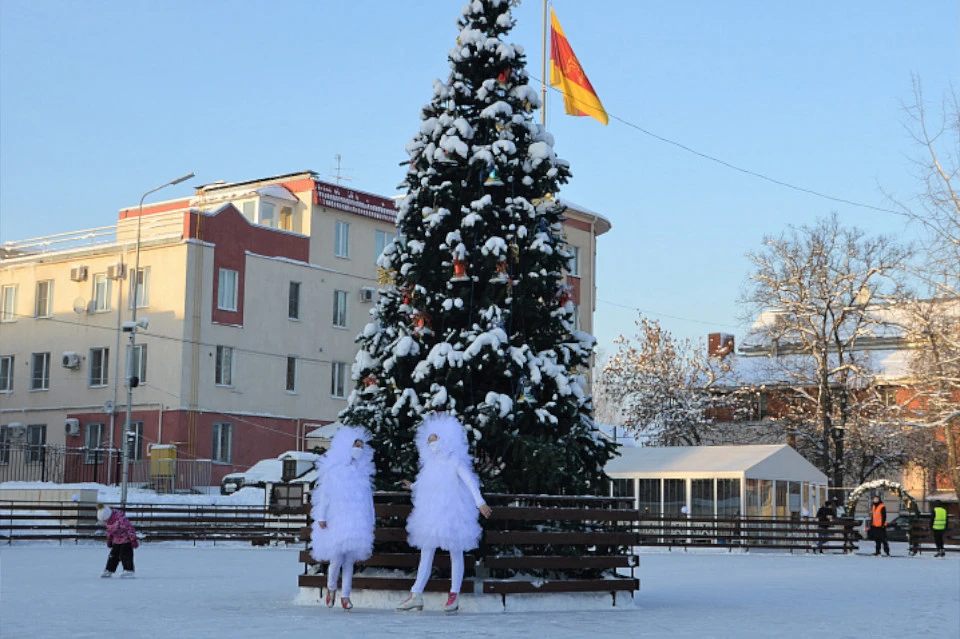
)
(67, 465)
(73, 522)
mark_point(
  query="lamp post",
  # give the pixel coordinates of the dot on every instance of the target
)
(131, 327)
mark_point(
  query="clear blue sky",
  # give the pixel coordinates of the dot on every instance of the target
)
(102, 100)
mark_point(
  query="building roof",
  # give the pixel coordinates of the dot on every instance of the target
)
(777, 461)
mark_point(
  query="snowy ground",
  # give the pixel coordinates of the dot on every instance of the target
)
(56, 591)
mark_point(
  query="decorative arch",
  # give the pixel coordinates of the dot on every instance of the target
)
(894, 487)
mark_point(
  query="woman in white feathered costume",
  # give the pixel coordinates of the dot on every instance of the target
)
(446, 497)
(343, 518)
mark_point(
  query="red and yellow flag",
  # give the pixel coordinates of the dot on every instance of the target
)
(566, 74)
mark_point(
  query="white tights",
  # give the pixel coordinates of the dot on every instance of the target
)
(344, 563)
(426, 564)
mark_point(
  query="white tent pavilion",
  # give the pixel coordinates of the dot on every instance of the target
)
(723, 481)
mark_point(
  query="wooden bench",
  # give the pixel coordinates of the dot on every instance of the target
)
(567, 544)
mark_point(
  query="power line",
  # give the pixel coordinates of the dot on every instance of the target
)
(730, 165)
(181, 340)
(658, 314)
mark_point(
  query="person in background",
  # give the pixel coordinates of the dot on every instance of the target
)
(825, 516)
(446, 498)
(343, 514)
(121, 540)
(939, 526)
(878, 526)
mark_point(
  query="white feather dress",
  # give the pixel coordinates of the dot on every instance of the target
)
(343, 499)
(446, 494)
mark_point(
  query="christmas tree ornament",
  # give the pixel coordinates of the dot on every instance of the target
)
(503, 77)
(527, 106)
(499, 126)
(526, 390)
(421, 321)
(459, 271)
(446, 158)
(514, 252)
(565, 294)
(369, 380)
(493, 178)
(384, 276)
(502, 276)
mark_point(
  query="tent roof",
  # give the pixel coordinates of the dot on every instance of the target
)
(756, 462)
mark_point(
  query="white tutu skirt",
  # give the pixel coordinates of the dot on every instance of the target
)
(444, 513)
(350, 517)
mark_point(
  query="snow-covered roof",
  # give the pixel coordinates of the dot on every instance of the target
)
(301, 456)
(265, 470)
(755, 462)
(324, 432)
(277, 191)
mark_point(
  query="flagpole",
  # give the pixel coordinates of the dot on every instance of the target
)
(543, 72)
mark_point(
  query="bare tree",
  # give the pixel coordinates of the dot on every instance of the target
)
(814, 287)
(664, 387)
(934, 324)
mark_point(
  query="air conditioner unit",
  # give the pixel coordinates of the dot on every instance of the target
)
(367, 294)
(71, 360)
(72, 426)
(117, 271)
(16, 430)
(78, 273)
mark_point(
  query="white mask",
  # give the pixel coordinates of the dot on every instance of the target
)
(356, 452)
(434, 445)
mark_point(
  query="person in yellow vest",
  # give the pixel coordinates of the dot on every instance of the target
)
(878, 526)
(939, 527)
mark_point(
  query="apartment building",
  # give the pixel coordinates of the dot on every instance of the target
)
(253, 293)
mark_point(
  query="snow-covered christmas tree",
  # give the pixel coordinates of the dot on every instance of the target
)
(473, 316)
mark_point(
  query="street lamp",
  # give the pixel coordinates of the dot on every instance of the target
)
(131, 327)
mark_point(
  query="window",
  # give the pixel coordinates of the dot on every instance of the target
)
(340, 309)
(224, 374)
(227, 290)
(135, 441)
(44, 301)
(381, 239)
(648, 497)
(292, 370)
(267, 212)
(140, 362)
(341, 240)
(140, 288)
(753, 497)
(574, 263)
(674, 497)
(92, 441)
(249, 210)
(286, 218)
(8, 313)
(6, 373)
(338, 381)
(40, 371)
(293, 301)
(766, 498)
(793, 497)
(99, 366)
(36, 443)
(701, 494)
(4, 445)
(222, 451)
(728, 497)
(781, 493)
(102, 289)
(624, 487)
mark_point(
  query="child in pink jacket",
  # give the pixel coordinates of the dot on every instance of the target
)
(121, 540)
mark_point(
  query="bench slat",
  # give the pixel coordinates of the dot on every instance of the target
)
(507, 587)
